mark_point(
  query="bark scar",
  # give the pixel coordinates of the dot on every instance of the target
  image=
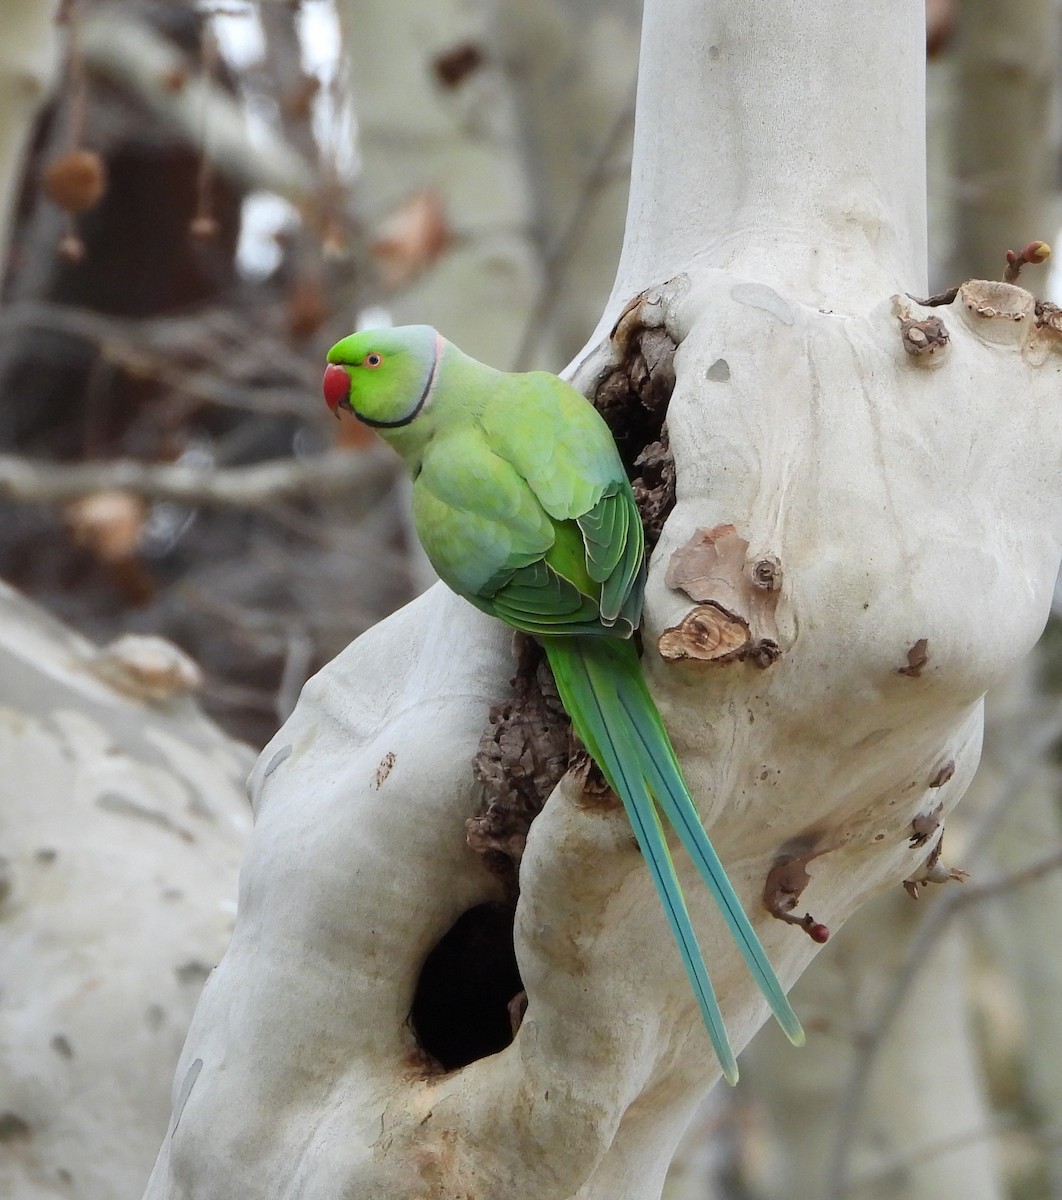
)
(917, 657)
(383, 770)
(737, 596)
(787, 879)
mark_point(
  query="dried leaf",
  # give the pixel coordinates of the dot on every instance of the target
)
(942, 19)
(411, 239)
(307, 306)
(108, 524)
(455, 65)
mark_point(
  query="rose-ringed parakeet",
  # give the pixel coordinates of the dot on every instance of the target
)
(523, 507)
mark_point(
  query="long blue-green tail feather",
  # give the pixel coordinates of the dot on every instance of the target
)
(575, 685)
(668, 787)
(602, 687)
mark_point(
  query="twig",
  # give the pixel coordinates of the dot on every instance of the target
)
(135, 56)
(359, 476)
(557, 256)
(298, 661)
(148, 349)
(901, 1165)
(1019, 877)
(1028, 761)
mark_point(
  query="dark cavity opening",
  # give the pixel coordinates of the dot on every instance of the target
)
(461, 1006)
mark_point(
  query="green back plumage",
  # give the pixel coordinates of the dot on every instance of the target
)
(522, 503)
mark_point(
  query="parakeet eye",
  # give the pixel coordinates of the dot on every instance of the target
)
(373, 360)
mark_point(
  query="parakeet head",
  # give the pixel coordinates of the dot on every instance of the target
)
(385, 377)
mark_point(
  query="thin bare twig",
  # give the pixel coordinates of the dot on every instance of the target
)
(149, 349)
(358, 476)
(557, 256)
(298, 661)
(896, 1169)
(1019, 877)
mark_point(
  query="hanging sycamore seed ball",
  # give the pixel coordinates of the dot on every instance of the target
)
(76, 180)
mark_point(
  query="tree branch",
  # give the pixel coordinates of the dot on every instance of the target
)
(132, 54)
(358, 477)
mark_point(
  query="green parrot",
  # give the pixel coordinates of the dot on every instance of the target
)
(524, 508)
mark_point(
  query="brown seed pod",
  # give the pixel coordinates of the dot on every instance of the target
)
(76, 180)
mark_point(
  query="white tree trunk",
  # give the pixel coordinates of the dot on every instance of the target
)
(778, 185)
(122, 822)
(923, 1127)
(29, 58)
(1020, 927)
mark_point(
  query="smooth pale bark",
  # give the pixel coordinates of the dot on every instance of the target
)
(122, 822)
(990, 150)
(781, 173)
(29, 59)
(905, 500)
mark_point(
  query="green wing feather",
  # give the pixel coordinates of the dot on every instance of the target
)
(557, 441)
(535, 485)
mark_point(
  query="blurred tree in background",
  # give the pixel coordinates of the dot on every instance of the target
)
(179, 314)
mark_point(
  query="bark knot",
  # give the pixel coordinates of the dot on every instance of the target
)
(736, 594)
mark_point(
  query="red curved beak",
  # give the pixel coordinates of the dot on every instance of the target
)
(336, 385)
